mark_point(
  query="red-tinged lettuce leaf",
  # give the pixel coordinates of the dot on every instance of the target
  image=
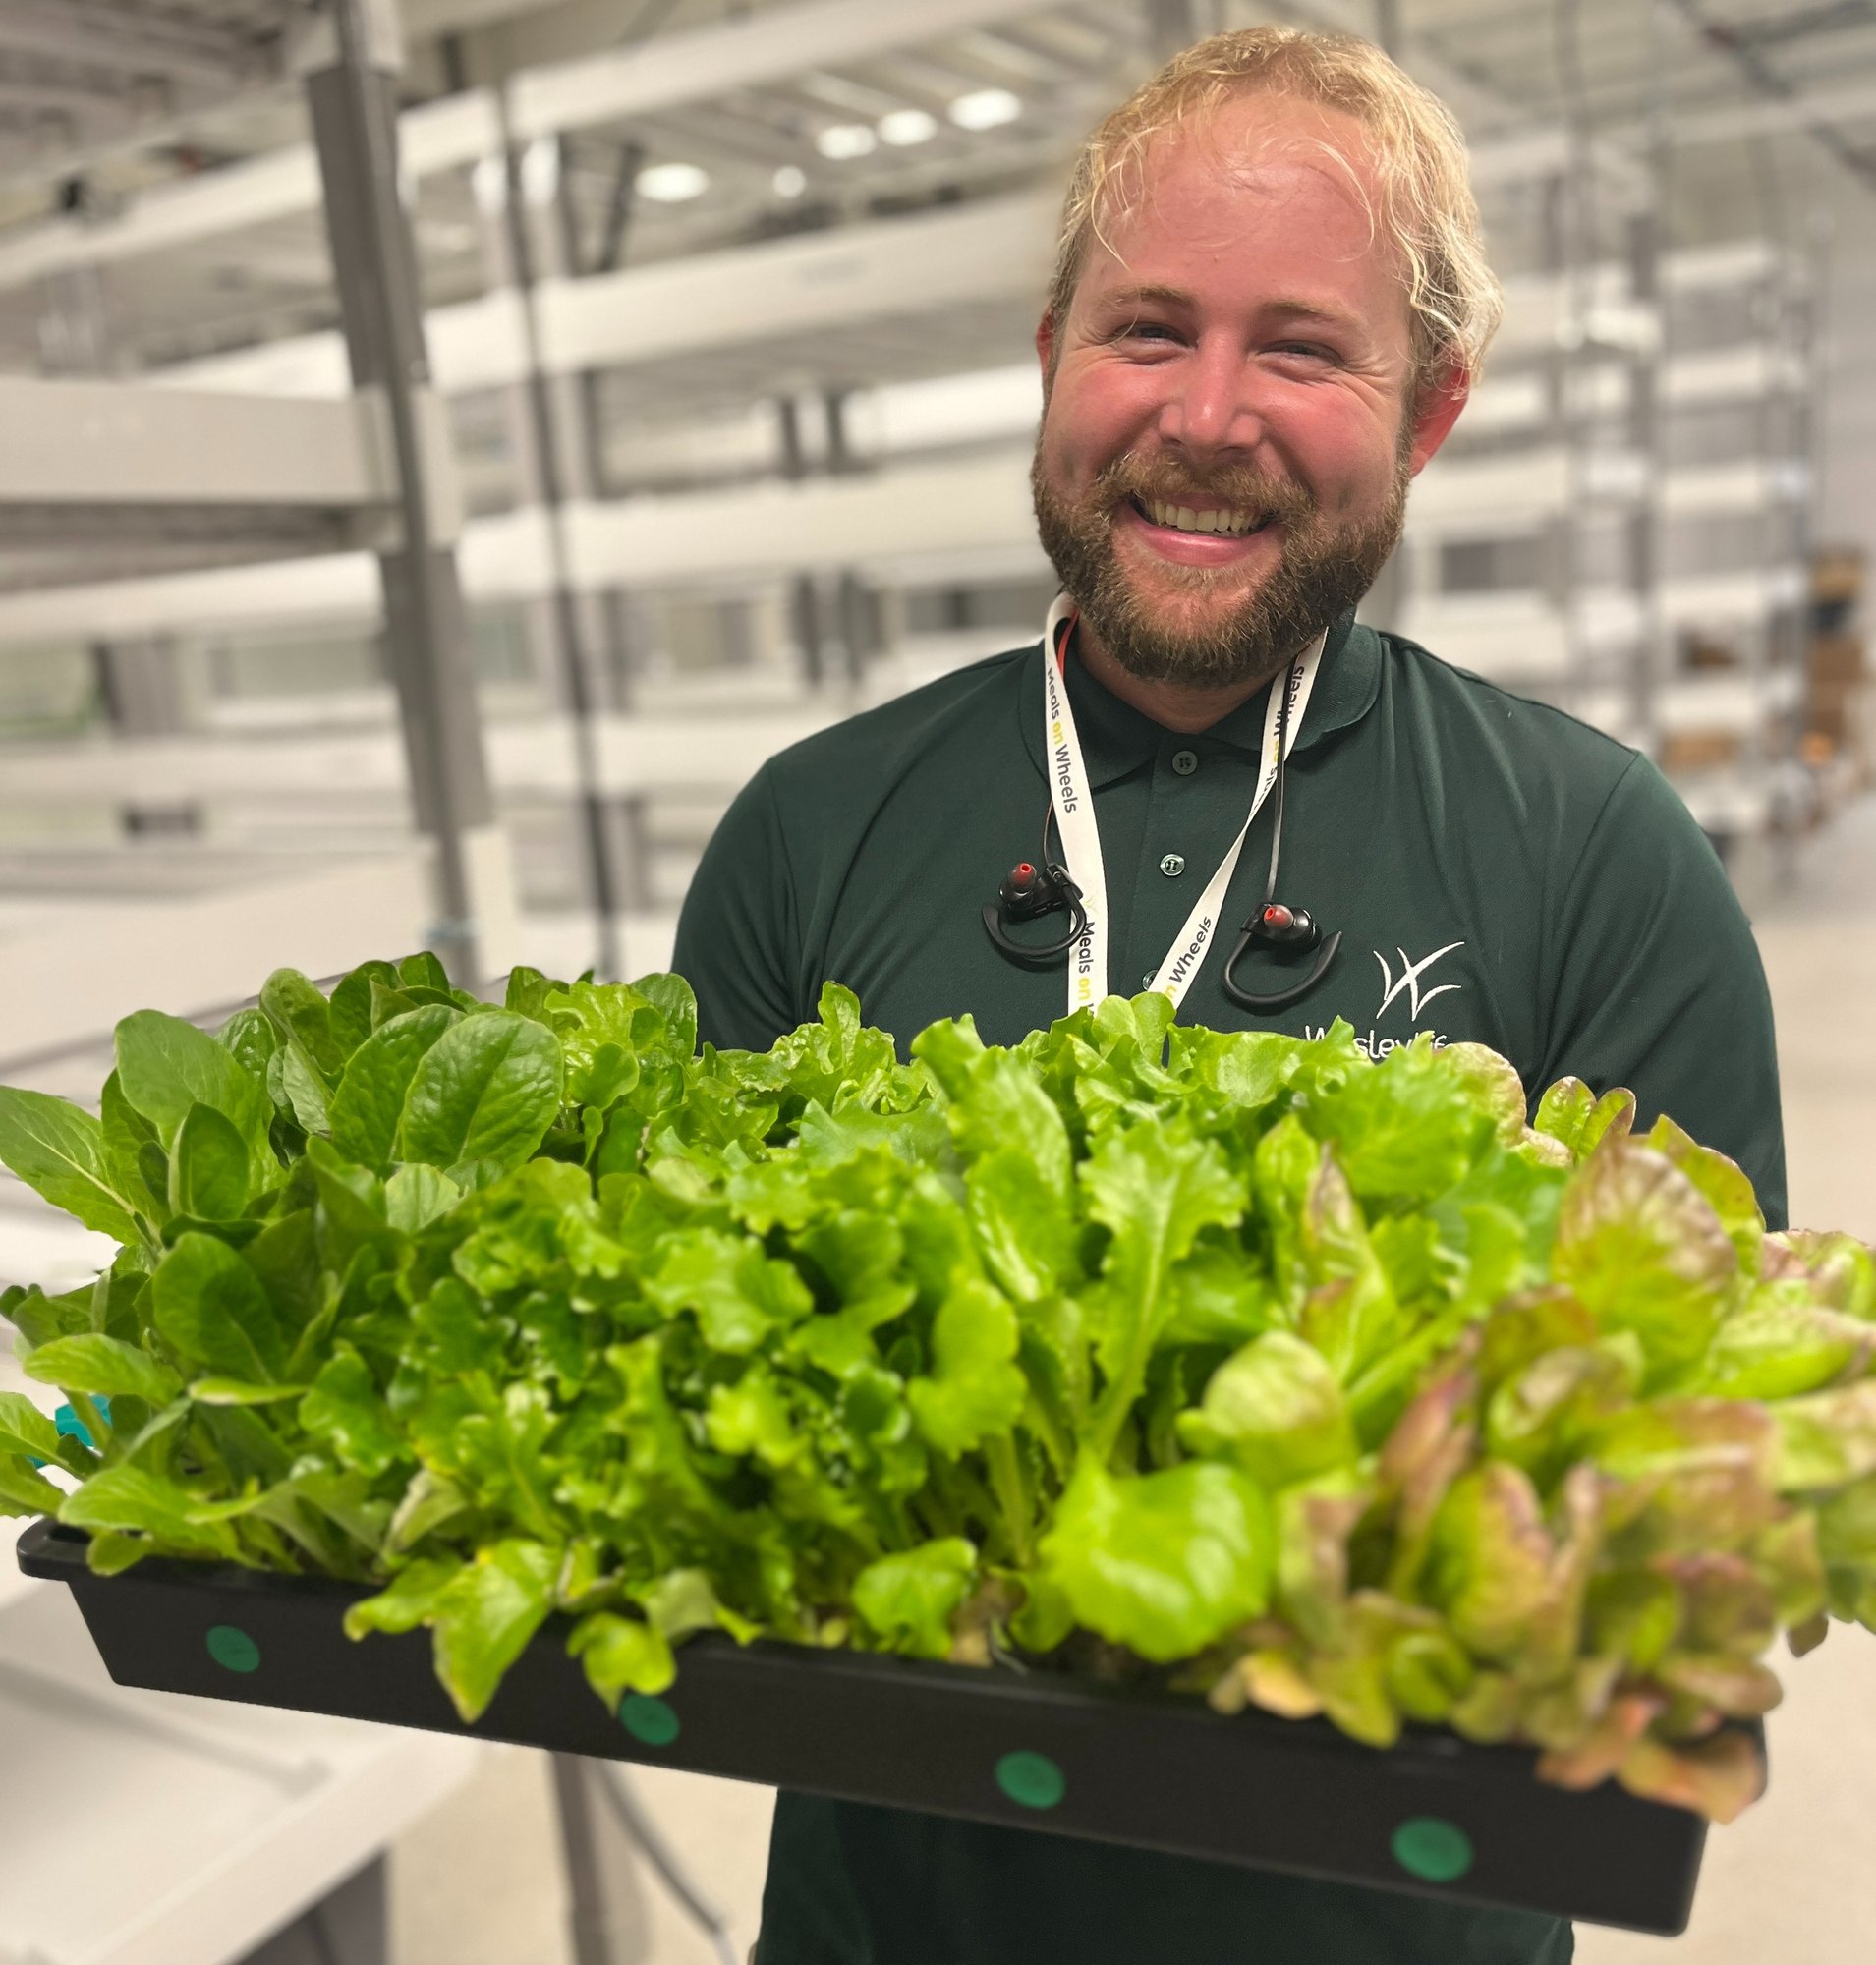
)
(1736, 1688)
(1701, 1474)
(1492, 1084)
(1720, 1777)
(1595, 1756)
(1826, 1439)
(1314, 1526)
(1643, 1251)
(909, 1601)
(1571, 1113)
(1781, 1343)
(1840, 1270)
(1721, 1181)
(1349, 1312)
(1786, 1557)
(1275, 1408)
(1545, 1415)
(1165, 1563)
(1489, 1562)
(1430, 1445)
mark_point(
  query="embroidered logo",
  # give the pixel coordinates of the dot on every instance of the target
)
(1411, 975)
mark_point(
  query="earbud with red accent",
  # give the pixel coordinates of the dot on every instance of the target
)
(1028, 893)
(1283, 927)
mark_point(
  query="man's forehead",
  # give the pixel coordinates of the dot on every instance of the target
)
(1257, 142)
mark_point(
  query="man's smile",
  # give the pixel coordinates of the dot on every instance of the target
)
(1205, 533)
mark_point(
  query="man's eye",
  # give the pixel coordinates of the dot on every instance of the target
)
(1312, 349)
(1147, 330)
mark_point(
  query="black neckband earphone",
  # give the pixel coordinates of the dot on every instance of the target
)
(1032, 890)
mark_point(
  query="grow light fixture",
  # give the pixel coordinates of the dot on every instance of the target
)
(986, 109)
(673, 183)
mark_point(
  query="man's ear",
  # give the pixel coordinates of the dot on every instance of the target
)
(1435, 409)
(1046, 349)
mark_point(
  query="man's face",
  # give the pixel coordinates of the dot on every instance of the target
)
(1230, 430)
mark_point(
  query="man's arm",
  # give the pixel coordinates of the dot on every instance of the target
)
(738, 934)
(1660, 987)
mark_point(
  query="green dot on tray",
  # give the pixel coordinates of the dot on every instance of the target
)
(1434, 1851)
(650, 1721)
(233, 1649)
(1032, 1780)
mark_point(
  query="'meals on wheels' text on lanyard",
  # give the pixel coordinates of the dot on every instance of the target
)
(1073, 796)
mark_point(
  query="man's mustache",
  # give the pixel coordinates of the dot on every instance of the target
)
(1169, 482)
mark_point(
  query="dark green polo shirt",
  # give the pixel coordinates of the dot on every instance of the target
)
(1499, 872)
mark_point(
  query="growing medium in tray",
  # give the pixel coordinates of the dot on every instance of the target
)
(1233, 1360)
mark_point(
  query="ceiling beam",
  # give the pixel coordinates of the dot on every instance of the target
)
(109, 37)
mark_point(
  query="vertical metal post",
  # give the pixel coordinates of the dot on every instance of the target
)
(805, 596)
(558, 455)
(1647, 433)
(139, 679)
(599, 1872)
(353, 100)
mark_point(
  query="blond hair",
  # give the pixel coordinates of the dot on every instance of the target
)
(1426, 207)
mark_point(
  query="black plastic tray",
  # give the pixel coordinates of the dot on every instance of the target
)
(1435, 1814)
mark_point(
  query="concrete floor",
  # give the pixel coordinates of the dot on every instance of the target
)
(478, 1882)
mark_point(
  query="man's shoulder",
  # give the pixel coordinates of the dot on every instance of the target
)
(880, 743)
(1528, 735)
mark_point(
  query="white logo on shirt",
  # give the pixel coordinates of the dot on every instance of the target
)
(1411, 975)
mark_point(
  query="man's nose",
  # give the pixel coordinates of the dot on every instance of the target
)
(1213, 404)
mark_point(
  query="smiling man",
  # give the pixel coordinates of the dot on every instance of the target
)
(1270, 304)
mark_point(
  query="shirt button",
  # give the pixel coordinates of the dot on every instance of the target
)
(1173, 865)
(1146, 981)
(1185, 762)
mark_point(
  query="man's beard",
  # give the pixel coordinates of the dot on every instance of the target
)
(1323, 571)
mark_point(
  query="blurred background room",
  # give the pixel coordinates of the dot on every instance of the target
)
(446, 446)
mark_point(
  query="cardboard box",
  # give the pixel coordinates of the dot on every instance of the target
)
(1835, 658)
(1836, 574)
(1684, 751)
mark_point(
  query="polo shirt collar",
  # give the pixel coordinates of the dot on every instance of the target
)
(1116, 738)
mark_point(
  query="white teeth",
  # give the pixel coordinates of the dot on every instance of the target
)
(1184, 519)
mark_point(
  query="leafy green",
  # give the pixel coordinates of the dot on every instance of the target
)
(1330, 1384)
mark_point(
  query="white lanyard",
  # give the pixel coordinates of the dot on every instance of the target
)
(1073, 796)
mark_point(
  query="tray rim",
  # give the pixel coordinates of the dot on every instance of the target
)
(51, 1552)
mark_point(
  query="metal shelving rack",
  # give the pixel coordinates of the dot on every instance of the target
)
(127, 479)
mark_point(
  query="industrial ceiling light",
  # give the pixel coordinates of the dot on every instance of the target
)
(984, 110)
(672, 184)
(906, 126)
(790, 181)
(841, 142)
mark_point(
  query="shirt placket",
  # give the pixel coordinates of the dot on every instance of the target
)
(1200, 791)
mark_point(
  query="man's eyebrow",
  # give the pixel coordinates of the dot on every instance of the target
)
(1147, 296)
(1289, 308)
